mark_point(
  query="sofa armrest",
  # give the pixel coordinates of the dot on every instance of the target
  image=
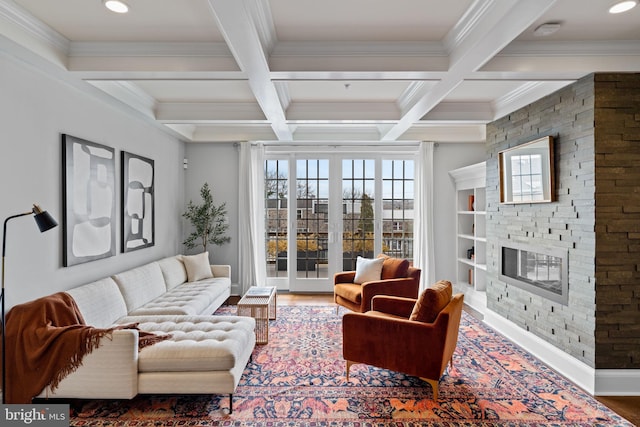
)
(110, 371)
(221, 271)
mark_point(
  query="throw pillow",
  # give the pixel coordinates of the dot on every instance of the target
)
(368, 269)
(197, 266)
(393, 268)
(431, 302)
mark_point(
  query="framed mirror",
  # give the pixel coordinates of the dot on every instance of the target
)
(526, 172)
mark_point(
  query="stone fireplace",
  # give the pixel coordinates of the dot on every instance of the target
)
(594, 225)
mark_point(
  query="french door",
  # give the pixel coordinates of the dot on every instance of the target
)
(329, 210)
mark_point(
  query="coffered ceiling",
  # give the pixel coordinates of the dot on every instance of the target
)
(339, 70)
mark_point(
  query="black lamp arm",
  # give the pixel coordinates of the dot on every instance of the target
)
(4, 229)
(36, 209)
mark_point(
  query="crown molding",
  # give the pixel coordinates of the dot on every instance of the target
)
(350, 49)
(339, 111)
(230, 132)
(282, 88)
(15, 14)
(209, 112)
(367, 132)
(146, 49)
(129, 94)
(412, 94)
(460, 112)
(571, 49)
(525, 94)
(463, 29)
(260, 11)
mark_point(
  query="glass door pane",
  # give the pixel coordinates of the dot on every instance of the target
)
(358, 218)
(397, 208)
(276, 217)
(312, 225)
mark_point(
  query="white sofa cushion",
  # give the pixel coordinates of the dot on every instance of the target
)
(141, 285)
(100, 302)
(173, 271)
(197, 266)
(188, 298)
(197, 343)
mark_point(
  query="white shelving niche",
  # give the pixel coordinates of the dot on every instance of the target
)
(471, 270)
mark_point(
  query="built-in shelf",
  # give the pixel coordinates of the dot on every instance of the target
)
(471, 268)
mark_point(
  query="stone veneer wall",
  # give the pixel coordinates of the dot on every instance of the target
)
(568, 223)
(596, 218)
(617, 162)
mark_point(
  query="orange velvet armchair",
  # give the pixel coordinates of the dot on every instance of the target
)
(416, 337)
(397, 278)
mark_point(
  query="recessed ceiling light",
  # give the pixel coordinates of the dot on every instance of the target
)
(623, 6)
(117, 6)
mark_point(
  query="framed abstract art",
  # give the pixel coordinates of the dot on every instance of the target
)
(138, 202)
(89, 201)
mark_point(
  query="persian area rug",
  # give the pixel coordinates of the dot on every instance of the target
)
(298, 379)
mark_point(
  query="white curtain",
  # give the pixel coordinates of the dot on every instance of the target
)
(423, 251)
(253, 270)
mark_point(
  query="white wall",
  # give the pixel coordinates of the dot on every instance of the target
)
(35, 109)
(446, 157)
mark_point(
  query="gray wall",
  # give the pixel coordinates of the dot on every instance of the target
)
(36, 109)
(217, 164)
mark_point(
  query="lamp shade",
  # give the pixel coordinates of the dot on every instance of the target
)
(44, 220)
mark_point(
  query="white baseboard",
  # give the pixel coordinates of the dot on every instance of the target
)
(598, 382)
(617, 382)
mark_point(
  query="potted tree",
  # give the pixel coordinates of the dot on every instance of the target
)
(209, 222)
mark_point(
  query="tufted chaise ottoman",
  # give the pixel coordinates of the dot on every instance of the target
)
(205, 354)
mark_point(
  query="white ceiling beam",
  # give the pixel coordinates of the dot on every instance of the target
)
(495, 25)
(236, 25)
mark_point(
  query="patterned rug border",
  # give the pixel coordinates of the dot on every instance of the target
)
(298, 380)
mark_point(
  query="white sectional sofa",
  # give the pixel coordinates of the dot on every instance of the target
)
(206, 354)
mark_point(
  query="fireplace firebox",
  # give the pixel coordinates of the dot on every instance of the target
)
(541, 271)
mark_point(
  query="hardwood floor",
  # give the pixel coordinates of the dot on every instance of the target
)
(625, 406)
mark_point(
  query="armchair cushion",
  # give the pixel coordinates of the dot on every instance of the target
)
(393, 268)
(349, 291)
(431, 301)
(368, 270)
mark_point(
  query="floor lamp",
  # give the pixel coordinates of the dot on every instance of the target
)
(45, 222)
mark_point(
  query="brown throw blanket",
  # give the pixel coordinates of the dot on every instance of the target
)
(46, 340)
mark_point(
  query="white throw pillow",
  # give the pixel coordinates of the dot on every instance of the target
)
(197, 266)
(368, 269)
